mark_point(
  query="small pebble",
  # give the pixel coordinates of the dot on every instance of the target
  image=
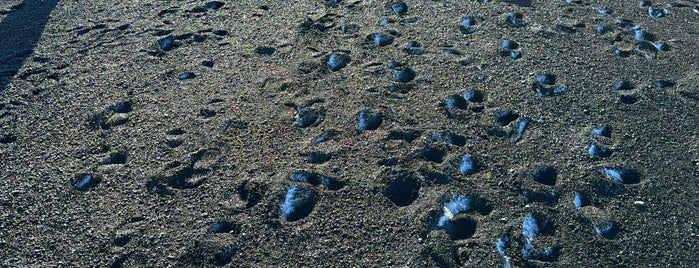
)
(263, 50)
(85, 182)
(640, 205)
(530, 228)
(515, 54)
(599, 151)
(186, 75)
(306, 118)
(622, 53)
(544, 91)
(507, 44)
(167, 43)
(400, 8)
(623, 175)
(643, 36)
(601, 29)
(607, 230)
(520, 130)
(660, 46)
(381, 39)
(545, 175)
(213, 5)
(305, 176)
(580, 200)
(408, 136)
(455, 101)
(450, 138)
(664, 84)
(473, 96)
(337, 61)
(405, 75)
(657, 13)
(7, 138)
(541, 197)
(223, 227)
(516, 20)
(332, 183)
(116, 158)
(546, 79)
(369, 120)
(456, 205)
(468, 165)
(504, 117)
(604, 131)
(220, 32)
(298, 203)
(318, 158)
(122, 107)
(623, 85)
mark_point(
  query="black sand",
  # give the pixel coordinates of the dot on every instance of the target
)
(156, 209)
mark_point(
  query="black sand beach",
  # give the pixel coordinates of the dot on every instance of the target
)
(109, 159)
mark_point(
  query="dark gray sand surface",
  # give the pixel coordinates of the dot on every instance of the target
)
(220, 147)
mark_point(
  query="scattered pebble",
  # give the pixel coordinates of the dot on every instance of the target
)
(186, 75)
(516, 20)
(408, 136)
(7, 138)
(298, 203)
(623, 85)
(213, 5)
(468, 165)
(337, 61)
(504, 117)
(223, 227)
(546, 79)
(623, 175)
(369, 120)
(549, 198)
(85, 181)
(473, 96)
(404, 75)
(305, 177)
(167, 43)
(664, 84)
(318, 158)
(604, 131)
(381, 39)
(580, 200)
(306, 118)
(207, 63)
(450, 138)
(599, 151)
(607, 230)
(116, 158)
(264, 50)
(455, 101)
(520, 130)
(332, 183)
(122, 107)
(400, 8)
